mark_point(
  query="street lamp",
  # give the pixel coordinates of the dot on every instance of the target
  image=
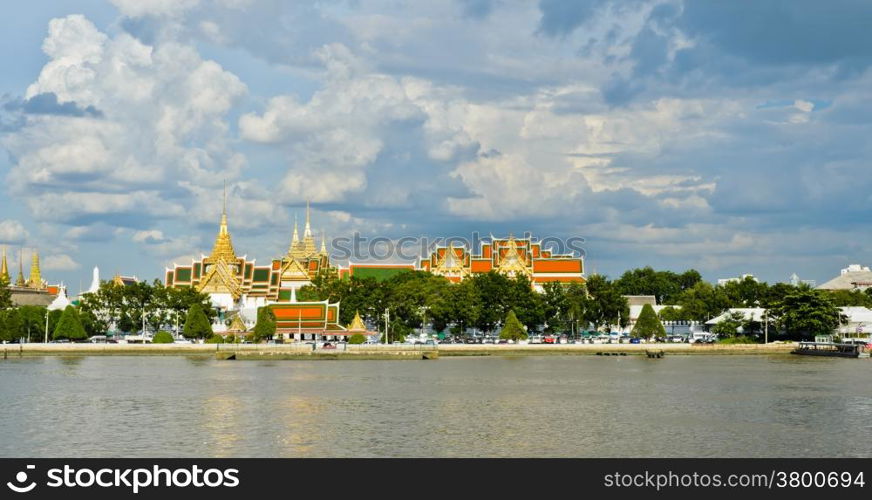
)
(46, 325)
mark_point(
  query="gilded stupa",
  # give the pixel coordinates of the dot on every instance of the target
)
(20, 283)
(35, 280)
(4, 268)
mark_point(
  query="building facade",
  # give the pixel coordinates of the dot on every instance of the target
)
(509, 256)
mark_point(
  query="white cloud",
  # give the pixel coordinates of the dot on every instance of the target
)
(151, 236)
(11, 231)
(162, 121)
(60, 262)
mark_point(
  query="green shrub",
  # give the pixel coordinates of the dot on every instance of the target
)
(162, 337)
(357, 338)
(215, 339)
(513, 329)
(648, 325)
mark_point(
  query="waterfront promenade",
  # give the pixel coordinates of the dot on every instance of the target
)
(368, 351)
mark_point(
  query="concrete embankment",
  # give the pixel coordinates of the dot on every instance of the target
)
(306, 351)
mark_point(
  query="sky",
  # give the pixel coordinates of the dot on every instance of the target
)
(729, 137)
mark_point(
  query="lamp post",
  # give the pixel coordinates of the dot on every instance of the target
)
(46, 325)
(387, 323)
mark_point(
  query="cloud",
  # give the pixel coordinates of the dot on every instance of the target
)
(12, 232)
(149, 237)
(58, 263)
(47, 104)
(161, 121)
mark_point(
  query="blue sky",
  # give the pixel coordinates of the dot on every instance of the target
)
(730, 137)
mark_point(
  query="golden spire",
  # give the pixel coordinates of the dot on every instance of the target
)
(35, 280)
(4, 269)
(20, 281)
(308, 232)
(223, 248)
(323, 243)
(308, 242)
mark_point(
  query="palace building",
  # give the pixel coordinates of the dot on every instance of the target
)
(510, 256)
(234, 281)
(238, 286)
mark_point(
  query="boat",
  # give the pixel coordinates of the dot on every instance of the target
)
(832, 349)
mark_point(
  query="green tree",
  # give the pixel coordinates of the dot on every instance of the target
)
(670, 313)
(265, 327)
(703, 302)
(162, 337)
(215, 339)
(606, 306)
(33, 322)
(5, 294)
(197, 325)
(512, 329)
(729, 326)
(357, 338)
(806, 313)
(70, 326)
(648, 325)
(10, 325)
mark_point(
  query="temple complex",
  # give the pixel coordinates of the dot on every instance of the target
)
(33, 290)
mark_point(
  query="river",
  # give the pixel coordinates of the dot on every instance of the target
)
(550, 406)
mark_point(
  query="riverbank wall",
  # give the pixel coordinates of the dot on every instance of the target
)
(307, 351)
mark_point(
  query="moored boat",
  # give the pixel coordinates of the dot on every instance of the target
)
(832, 349)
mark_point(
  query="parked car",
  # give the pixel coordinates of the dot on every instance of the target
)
(635, 341)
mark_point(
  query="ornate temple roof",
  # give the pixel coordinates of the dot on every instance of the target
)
(357, 324)
(512, 263)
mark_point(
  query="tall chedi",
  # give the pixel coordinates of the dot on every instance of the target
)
(35, 280)
(4, 269)
(20, 281)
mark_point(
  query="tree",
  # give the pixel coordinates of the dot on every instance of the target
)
(729, 326)
(70, 326)
(5, 294)
(703, 302)
(163, 337)
(670, 313)
(512, 329)
(606, 306)
(265, 327)
(33, 322)
(648, 325)
(197, 325)
(10, 325)
(357, 338)
(806, 313)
